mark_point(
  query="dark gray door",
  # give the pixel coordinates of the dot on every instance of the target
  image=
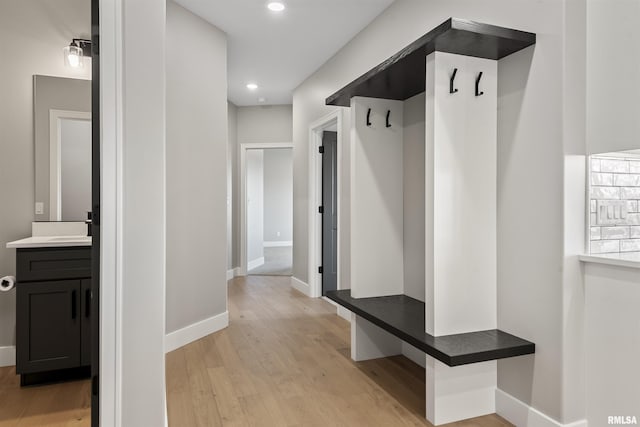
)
(330, 212)
(48, 326)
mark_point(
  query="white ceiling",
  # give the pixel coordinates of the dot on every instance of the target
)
(278, 51)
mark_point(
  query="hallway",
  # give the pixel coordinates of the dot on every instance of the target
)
(285, 360)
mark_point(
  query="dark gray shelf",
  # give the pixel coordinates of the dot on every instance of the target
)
(403, 75)
(403, 317)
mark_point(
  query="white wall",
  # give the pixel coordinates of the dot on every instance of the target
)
(75, 169)
(196, 169)
(255, 207)
(41, 29)
(414, 196)
(611, 293)
(272, 123)
(530, 133)
(612, 342)
(613, 75)
(278, 195)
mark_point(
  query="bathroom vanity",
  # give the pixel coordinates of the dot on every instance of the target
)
(53, 308)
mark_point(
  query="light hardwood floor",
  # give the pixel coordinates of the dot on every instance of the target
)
(285, 361)
(60, 405)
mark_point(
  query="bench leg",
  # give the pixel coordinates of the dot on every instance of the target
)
(371, 342)
(460, 392)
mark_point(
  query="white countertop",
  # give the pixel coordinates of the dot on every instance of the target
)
(624, 259)
(50, 242)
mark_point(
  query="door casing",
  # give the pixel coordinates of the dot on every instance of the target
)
(331, 120)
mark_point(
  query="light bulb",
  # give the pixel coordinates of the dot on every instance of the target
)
(74, 60)
(73, 56)
(276, 6)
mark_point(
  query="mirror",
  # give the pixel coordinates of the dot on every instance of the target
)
(62, 130)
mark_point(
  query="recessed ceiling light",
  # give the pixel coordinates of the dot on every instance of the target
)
(252, 86)
(276, 6)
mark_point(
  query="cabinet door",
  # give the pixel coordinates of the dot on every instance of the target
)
(47, 326)
(85, 324)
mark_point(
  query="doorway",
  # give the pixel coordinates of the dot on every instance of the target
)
(266, 241)
(324, 248)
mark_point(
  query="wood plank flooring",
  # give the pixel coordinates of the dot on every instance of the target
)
(285, 361)
(57, 405)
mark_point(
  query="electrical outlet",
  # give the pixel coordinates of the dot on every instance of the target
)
(611, 212)
(39, 208)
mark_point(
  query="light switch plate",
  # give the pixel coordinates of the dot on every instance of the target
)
(611, 212)
(39, 208)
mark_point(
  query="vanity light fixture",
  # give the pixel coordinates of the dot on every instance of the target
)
(75, 51)
(276, 6)
(252, 86)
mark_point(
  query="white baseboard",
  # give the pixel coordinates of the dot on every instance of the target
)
(191, 333)
(344, 313)
(340, 310)
(7, 356)
(523, 415)
(255, 263)
(277, 244)
(234, 272)
(300, 286)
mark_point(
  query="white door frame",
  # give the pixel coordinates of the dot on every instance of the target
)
(55, 159)
(243, 194)
(121, 73)
(315, 197)
(111, 122)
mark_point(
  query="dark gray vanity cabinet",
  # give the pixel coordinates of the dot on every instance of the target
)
(53, 316)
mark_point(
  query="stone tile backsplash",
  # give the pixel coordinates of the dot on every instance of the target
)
(614, 178)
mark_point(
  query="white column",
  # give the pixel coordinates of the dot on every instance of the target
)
(460, 392)
(460, 216)
(368, 341)
(377, 256)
